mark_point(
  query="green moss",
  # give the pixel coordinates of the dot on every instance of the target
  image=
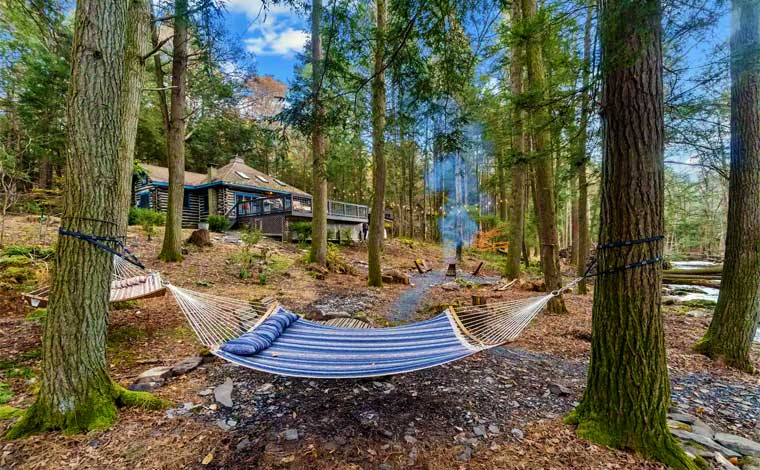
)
(5, 393)
(100, 412)
(37, 252)
(170, 257)
(700, 303)
(603, 432)
(13, 370)
(37, 316)
(15, 260)
(9, 412)
(18, 274)
(124, 305)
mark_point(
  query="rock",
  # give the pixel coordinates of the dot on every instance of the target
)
(340, 440)
(243, 445)
(205, 392)
(683, 417)
(517, 433)
(703, 430)
(723, 463)
(394, 276)
(703, 441)
(410, 439)
(223, 393)
(291, 434)
(697, 313)
(186, 365)
(450, 286)
(479, 431)
(465, 455)
(331, 446)
(739, 444)
(156, 374)
(705, 454)
(494, 429)
(265, 389)
(222, 424)
(144, 387)
(559, 389)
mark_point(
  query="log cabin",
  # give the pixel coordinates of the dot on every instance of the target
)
(248, 198)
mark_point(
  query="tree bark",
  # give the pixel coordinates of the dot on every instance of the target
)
(171, 250)
(518, 182)
(542, 164)
(377, 220)
(76, 393)
(627, 392)
(318, 251)
(732, 329)
(583, 229)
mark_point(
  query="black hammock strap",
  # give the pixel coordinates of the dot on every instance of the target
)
(619, 244)
(101, 242)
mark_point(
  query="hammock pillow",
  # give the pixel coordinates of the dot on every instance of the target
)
(262, 336)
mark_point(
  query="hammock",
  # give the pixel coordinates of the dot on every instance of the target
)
(264, 336)
(269, 338)
(128, 283)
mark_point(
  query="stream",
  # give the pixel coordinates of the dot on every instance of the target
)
(705, 293)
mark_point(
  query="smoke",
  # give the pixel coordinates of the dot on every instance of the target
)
(454, 173)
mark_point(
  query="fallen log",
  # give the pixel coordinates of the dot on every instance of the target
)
(692, 282)
(697, 271)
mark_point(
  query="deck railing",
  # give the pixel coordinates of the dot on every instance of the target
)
(297, 204)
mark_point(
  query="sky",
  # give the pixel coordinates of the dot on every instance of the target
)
(274, 36)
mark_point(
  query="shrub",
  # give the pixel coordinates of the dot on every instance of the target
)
(142, 216)
(345, 237)
(250, 237)
(218, 223)
(301, 229)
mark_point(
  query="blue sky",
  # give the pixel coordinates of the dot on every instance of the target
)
(274, 36)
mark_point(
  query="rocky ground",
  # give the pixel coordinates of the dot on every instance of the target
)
(501, 409)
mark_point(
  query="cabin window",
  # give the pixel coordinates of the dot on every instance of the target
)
(243, 175)
(262, 179)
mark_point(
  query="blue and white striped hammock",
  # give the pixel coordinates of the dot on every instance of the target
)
(271, 339)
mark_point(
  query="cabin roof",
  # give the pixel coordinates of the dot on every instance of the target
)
(236, 172)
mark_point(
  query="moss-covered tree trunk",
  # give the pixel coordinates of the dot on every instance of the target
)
(377, 220)
(76, 393)
(318, 251)
(171, 249)
(734, 322)
(518, 183)
(627, 393)
(542, 163)
(583, 226)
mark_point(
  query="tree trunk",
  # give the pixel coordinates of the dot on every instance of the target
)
(583, 229)
(171, 250)
(501, 168)
(318, 251)
(545, 200)
(732, 329)
(627, 393)
(76, 393)
(574, 229)
(518, 183)
(377, 220)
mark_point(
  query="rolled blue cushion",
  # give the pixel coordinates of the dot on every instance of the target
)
(262, 336)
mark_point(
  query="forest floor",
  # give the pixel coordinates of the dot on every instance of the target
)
(500, 409)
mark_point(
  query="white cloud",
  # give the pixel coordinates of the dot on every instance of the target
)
(254, 9)
(274, 31)
(271, 41)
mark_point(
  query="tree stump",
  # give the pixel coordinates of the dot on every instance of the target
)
(200, 238)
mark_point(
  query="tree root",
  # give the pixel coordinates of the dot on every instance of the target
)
(98, 412)
(707, 346)
(661, 448)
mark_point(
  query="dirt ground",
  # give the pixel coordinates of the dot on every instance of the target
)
(500, 409)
